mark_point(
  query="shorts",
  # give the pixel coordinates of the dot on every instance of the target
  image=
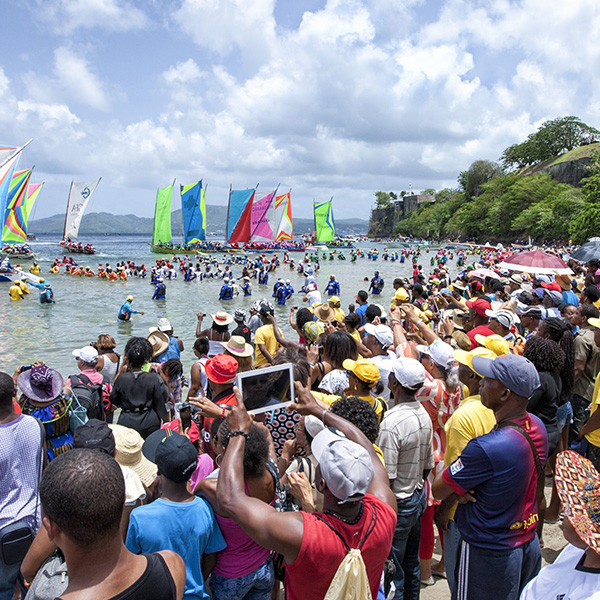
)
(564, 416)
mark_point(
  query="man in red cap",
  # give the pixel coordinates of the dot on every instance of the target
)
(221, 372)
(478, 319)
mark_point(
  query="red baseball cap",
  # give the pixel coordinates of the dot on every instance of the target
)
(479, 306)
(552, 286)
(221, 369)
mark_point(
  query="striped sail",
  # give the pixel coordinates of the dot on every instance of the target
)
(324, 223)
(283, 218)
(193, 208)
(15, 227)
(264, 218)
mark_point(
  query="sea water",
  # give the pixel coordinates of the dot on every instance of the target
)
(86, 307)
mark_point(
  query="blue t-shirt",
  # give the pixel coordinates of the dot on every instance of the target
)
(360, 311)
(569, 297)
(500, 468)
(188, 528)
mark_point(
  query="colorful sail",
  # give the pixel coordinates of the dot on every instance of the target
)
(14, 228)
(33, 191)
(193, 208)
(8, 162)
(324, 223)
(283, 218)
(239, 215)
(162, 215)
(263, 218)
(79, 196)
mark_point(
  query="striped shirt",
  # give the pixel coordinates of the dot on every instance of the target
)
(406, 440)
(20, 470)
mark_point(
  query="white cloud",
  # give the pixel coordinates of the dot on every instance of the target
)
(67, 16)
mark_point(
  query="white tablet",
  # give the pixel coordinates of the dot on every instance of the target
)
(267, 389)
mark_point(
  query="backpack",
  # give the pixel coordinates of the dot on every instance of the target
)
(94, 397)
(351, 581)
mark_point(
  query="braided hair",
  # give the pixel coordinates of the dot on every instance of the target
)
(559, 330)
(545, 354)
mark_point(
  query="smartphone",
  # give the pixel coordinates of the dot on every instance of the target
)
(26, 368)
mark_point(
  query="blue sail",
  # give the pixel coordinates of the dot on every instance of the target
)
(238, 201)
(193, 212)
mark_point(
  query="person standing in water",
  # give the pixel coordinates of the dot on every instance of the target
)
(126, 311)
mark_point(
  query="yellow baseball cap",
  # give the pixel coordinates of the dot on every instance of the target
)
(402, 295)
(466, 358)
(129, 298)
(364, 369)
(496, 343)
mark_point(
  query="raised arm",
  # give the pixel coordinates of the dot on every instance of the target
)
(425, 332)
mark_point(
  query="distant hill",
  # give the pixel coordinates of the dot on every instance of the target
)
(102, 222)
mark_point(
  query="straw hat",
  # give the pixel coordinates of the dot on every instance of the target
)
(564, 281)
(578, 486)
(324, 312)
(237, 346)
(129, 453)
(160, 342)
(222, 318)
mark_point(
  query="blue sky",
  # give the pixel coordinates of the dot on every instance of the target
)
(327, 97)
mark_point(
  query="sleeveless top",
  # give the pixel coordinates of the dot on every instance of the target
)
(156, 582)
(109, 370)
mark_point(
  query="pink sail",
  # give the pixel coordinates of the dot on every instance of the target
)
(263, 218)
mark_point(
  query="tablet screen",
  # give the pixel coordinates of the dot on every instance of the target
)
(267, 389)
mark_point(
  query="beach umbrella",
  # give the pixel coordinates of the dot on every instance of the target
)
(536, 261)
(588, 251)
(483, 273)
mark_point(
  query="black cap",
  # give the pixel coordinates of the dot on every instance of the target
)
(95, 434)
(173, 454)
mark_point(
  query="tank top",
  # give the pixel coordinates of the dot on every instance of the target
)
(172, 351)
(109, 370)
(155, 583)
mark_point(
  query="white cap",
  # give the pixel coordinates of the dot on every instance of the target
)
(440, 353)
(345, 465)
(382, 333)
(88, 354)
(164, 324)
(503, 316)
(409, 372)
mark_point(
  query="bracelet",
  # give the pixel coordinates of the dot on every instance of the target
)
(396, 323)
(311, 364)
(419, 322)
(223, 416)
(447, 336)
(238, 432)
(323, 414)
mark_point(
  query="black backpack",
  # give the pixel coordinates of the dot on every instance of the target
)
(90, 395)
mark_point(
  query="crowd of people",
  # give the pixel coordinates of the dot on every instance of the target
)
(461, 416)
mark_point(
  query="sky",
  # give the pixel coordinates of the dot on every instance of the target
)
(327, 97)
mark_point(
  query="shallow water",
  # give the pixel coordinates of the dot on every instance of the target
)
(87, 307)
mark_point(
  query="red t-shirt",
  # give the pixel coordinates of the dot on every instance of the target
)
(483, 330)
(322, 552)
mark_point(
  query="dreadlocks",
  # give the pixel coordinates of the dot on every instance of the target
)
(559, 330)
(545, 354)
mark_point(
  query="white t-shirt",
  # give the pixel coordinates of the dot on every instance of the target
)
(384, 364)
(566, 579)
(314, 296)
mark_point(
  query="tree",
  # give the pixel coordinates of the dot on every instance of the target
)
(550, 140)
(480, 172)
(383, 199)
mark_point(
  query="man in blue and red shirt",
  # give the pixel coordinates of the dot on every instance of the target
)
(496, 478)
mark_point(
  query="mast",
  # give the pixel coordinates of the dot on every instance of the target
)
(227, 218)
(17, 151)
(67, 211)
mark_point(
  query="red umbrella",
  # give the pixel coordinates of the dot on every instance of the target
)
(536, 262)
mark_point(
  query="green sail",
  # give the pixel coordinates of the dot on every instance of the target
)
(162, 215)
(324, 223)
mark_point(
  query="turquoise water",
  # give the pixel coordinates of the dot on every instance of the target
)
(86, 307)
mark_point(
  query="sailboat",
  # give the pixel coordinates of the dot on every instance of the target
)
(193, 209)
(80, 195)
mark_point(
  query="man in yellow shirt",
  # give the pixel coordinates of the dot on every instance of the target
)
(591, 430)
(15, 292)
(264, 338)
(470, 420)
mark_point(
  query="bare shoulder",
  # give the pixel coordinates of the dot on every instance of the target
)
(176, 567)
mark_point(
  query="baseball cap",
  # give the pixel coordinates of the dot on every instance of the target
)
(409, 373)
(466, 358)
(496, 343)
(345, 465)
(480, 306)
(95, 435)
(440, 353)
(552, 286)
(535, 312)
(221, 369)
(402, 295)
(505, 317)
(239, 314)
(129, 298)
(515, 372)
(382, 333)
(87, 354)
(173, 454)
(557, 298)
(366, 370)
